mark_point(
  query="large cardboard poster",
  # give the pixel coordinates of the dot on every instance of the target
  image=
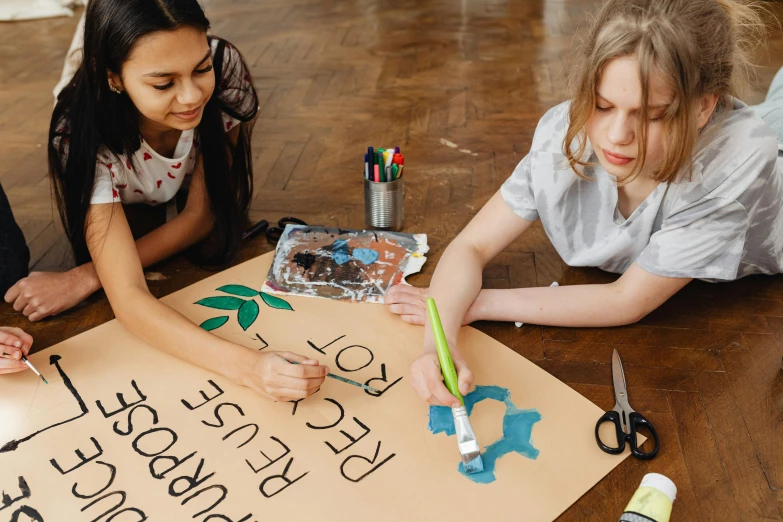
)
(124, 432)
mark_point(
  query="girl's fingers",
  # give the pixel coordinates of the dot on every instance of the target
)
(292, 383)
(11, 370)
(11, 364)
(20, 303)
(414, 319)
(294, 357)
(464, 376)
(288, 394)
(434, 378)
(419, 384)
(27, 339)
(8, 352)
(29, 309)
(406, 309)
(303, 371)
(36, 316)
(405, 293)
(10, 342)
(12, 293)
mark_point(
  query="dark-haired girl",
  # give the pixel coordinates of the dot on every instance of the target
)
(156, 104)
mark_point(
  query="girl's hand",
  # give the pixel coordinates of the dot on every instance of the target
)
(14, 343)
(410, 303)
(42, 294)
(275, 377)
(427, 378)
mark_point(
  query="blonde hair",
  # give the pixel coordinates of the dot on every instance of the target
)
(697, 47)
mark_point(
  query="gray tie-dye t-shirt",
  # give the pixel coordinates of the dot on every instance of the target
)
(724, 223)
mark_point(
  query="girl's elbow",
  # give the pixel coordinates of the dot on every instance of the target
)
(127, 303)
(634, 311)
(630, 307)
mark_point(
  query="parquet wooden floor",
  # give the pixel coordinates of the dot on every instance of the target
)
(460, 86)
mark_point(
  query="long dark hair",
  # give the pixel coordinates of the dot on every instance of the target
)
(88, 116)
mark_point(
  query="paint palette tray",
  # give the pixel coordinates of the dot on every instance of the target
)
(347, 265)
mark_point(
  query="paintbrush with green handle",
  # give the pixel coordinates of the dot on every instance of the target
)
(469, 448)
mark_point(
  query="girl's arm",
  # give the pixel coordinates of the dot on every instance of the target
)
(42, 294)
(119, 268)
(455, 285)
(634, 295)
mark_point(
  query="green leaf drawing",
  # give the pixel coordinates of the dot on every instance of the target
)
(215, 322)
(248, 313)
(223, 302)
(238, 290)
(275, 302)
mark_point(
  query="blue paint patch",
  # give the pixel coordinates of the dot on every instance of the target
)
(339, 251)
(340, 257)
(517, 430)
(340, 244)
(367, 256)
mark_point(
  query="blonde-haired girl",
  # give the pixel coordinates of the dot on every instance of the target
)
(653, 170)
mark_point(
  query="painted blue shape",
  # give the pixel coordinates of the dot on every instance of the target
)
(441, 420)
(517, 430)
(367, 256)
(340, 257)
(340, 245)
(339, 250)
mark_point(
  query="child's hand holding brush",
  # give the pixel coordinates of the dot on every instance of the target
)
(14, 344)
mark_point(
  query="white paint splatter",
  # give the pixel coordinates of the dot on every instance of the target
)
(453, 145)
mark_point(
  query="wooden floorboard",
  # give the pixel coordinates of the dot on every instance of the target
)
(459, 86)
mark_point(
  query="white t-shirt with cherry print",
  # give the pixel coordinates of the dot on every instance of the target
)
(156, 180)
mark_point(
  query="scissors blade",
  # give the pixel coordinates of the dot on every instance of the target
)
(620, 389)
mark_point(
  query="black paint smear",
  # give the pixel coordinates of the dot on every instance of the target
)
(305, 260)
(55, 360)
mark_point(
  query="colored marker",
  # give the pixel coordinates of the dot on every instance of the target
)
(376, 173)
(255, 229)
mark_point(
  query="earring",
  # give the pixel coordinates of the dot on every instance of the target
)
(114, 89)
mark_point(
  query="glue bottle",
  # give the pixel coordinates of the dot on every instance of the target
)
(652, 502)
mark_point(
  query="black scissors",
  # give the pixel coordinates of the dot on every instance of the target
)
(273, 234)
(626, 421)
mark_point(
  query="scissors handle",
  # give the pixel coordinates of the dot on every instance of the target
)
(273, 234)
(613, 417)
(636, 420)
